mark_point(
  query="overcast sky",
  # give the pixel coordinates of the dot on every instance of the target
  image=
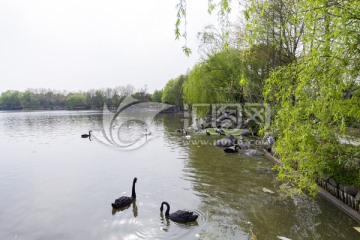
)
(84, 44)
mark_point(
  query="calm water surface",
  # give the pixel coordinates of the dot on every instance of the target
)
(56, 185)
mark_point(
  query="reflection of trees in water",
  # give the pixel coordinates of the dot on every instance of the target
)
(166, 223)
(230, 188)
(219, 183)
(171, 122)
(35, 122)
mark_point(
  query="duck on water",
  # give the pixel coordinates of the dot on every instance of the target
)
(232, 149)
(125, 201)
(87, 135)
(179, 216)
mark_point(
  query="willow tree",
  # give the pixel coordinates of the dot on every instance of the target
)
(256, 69)
(315, 94)
(157, 95)
(172, 92)
(216, 79)
(223, 8)
(313, 85)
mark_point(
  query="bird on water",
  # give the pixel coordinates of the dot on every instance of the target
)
(187, 136)
(146, 132)
(86, 135)
(232, 149)
(179, 216)
(125, 201)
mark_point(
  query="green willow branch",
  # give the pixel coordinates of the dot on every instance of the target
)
(224, 7)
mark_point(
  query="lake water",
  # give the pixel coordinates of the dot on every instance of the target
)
(56, 185)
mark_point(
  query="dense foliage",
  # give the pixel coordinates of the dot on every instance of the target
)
(303, 58)
(216, 79)
(316, 93)
(157, 95)
(172, 93)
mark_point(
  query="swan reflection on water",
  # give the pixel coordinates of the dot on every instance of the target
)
(134, 209)
(164, 221)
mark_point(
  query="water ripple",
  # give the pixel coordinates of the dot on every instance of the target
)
(57, 185)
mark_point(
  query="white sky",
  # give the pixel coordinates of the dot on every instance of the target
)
(84, 44)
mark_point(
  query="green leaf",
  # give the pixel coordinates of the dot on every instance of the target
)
(186, 50)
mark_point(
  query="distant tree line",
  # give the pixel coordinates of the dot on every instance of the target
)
(37, 99)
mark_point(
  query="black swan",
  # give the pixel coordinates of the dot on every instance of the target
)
(124, 201)
(86, 135)
(178, 216)
(233, 149)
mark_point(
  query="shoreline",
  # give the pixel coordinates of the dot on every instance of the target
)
(327, 195)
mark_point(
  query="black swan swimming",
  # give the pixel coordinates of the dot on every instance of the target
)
(86, 135)
(233, 149)
(125, 201)
(178, 216)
